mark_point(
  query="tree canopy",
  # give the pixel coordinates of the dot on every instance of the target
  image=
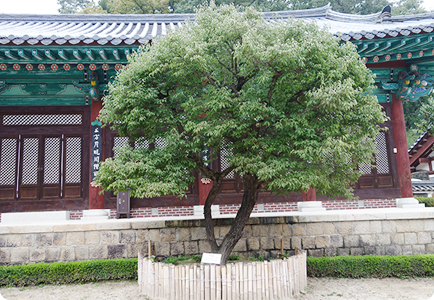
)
(286, 99)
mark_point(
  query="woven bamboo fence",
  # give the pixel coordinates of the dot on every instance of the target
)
(275, 279)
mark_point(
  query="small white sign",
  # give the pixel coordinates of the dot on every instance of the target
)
(211, 258)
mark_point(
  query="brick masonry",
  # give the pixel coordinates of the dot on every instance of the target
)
(180, 211)
(395, 233)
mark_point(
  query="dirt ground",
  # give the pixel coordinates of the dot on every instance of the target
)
(318, 289)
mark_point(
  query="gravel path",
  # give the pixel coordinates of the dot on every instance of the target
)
(318, 289)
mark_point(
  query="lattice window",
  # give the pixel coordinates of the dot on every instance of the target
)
(73, 160)
(225, 153)
(141, 143)
(365, 169)
(382, 159)
(33, 120)
(119, 142)
(160, 142)
(8, 161)
(30, 161)
(51, 160)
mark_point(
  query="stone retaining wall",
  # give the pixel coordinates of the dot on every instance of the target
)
(329, 233)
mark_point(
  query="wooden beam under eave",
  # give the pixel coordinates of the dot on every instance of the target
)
(36, 54)
(49, 54)
(422, 150)
(116, 54)
(9, 54)
(22, 54)
(90, 54)
(424, 160)
(62, 54)
(76, 54)
(102, 54)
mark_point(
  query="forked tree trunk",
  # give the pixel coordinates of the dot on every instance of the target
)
(250, 196)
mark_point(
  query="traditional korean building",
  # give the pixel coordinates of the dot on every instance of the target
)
(54, 70)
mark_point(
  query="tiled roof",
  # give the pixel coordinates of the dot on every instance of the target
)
(129, 29)
(423, 186)
(416, 142)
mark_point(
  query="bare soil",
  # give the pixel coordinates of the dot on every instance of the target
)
(318, 289)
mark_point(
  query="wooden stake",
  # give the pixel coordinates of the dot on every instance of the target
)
(149, 249)
(281, 248)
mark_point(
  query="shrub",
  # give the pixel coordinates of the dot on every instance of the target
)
(429, 202)
(371, 266)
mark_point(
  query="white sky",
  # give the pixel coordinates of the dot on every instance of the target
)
(51, 7)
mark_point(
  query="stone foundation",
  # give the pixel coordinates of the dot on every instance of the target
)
(378, 232)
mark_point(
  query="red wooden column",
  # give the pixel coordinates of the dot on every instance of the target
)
(96, 200)
(400, 135)
(310, 195)
(204, 190)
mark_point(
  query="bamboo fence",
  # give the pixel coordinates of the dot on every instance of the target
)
(275, 279)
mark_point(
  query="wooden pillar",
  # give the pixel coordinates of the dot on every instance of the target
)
(96, 200)
(310, 195)
(402, 158)
(204, 190)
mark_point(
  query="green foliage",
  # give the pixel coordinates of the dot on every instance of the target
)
(259, 258)
(71, 6)
(234, 257)
(287, 98)
(408, 7)
(179, 259)
(426, 123)
(68, 272)
(371, 266)
(429, 202)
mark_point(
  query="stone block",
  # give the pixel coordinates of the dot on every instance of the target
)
(296, 242)
(134, 249)
(375, 227)
(357, 251)
(98, 252)
(424, 238)
(286, 230)
(44, 239)
(418, 249)
(351, 241)
(368, 240)
(416, 225)
(74, 227)
(191, 248)
(67, 254)
(330, 252)
(393, 250)
(397, 238)
(75, 238)
(429, 249)
(162, 249)
(14, 240)
(27, 240)
(168, 234)
(30, 228)
(260, 230)
(92, 237)
(3, 241)
(323, 241)
(142, 236)
(204, 247)
(5, 255)
(369, 250)
(148, 224)
(177, 248)
(361, 227)
(154, 235)
(247, 232)
(428, 225)
(117, 251)
(183, 234)
(224, 230)
(299, 229)
(198, 234)
(52, 254)
(407, 250)
(82, 252)
(308, 242)
(330, 228)
(344, 227)
(389, 226)
(266, 243)
(128, 237)
(275, 230)
(383, 239)
(336, 241)
(286, 243)
(110, 237)
(241, 245)
(113, 225)
(20, 255)
(59, 239)
(380, 250)
(410, 238)
(314, 229)
(402, 226)
(253, 243)
(37, 255)
(315, 253)
(343, 252)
